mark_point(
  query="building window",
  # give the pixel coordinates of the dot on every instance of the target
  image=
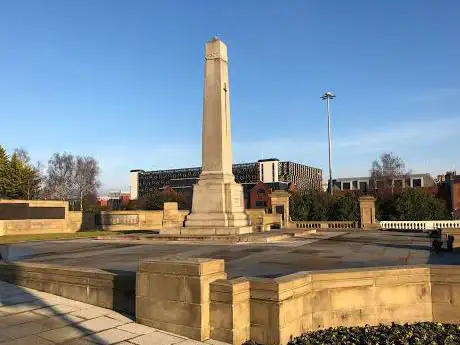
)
(262, 171)
(346, 186)
(398, 183)
(273, 172)
(416, 182)
(261, 203)
(355, 184)
(363, 186)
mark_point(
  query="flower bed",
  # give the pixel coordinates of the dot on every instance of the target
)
(423, 333)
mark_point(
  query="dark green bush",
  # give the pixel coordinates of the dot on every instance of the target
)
(423, 333)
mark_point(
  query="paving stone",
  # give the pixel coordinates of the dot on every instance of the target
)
(91, 313)
(157, 338)
(100, 324)
(31, 340)
(78, 304)
(16, 319)
(57, 309)
(121, 317)
(3, 337)
(194, 342)
(59, 321)
(16, 299)
(110, 336)
(137, 328)
(79, 341)
(20, 308)
(215, 342)
(66, 333)
(23, 330)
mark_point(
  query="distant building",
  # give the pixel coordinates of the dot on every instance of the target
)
(367, 183)
(452, 182)
(272, 172)
(114, 200)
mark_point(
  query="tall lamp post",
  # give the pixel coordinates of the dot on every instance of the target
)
(327, 97)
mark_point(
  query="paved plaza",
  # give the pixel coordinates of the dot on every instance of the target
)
(30, 317)
(320, 251)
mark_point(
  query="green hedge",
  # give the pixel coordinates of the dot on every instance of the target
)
(423, 333)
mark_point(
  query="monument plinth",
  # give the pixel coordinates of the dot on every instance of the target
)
(218, 202)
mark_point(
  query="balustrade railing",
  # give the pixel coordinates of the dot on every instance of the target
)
(326, 225)
(420, 225)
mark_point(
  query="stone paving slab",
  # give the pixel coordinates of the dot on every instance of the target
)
(323, 250)
(30, 317)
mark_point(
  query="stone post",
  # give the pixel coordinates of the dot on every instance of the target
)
(171, 216)
(281, 198)
(173, 294)
(230, 316)
(367, 212)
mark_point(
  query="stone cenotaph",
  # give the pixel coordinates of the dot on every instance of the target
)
(218, 203)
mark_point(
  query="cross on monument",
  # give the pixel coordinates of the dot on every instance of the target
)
(226, 114)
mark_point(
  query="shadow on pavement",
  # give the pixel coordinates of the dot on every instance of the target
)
(26, 316)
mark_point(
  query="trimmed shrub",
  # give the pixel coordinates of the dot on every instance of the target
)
(422, 333)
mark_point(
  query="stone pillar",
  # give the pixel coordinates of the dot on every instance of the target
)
(281, 198)
(230, 316)
(218, 202)
(367, 212)
(171, 216)
(173, 294)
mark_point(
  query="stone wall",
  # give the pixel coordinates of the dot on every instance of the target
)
(80, 221)
(129, 220)
(192, 297)
(261, 220)
(101, 288)
(173, 294)
(270, 311)
(32, 218)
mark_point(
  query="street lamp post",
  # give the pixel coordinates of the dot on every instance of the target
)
(327, 97)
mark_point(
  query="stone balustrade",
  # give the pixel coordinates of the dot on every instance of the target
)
(420, 225)
(326, 225)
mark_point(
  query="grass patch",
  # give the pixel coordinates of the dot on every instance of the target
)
(422, 333)
(60, 236)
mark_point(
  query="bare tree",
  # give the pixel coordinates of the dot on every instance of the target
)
(22, 155)
(31, 178)
(86, 177)
(387, 169)
(60, 175)
(72, 177)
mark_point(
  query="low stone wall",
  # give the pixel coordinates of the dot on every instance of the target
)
(80, 221)
(270, 311)
(129, 220)
(173, 294)
(192, 297)
(262, 221)
(23, 217)
(101, 288)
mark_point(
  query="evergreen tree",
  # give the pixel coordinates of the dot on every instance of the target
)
(415, 204)
(15, 177)
(19, 179)
(345, 208)
(5, 185)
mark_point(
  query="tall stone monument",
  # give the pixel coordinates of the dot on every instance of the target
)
(218, 203)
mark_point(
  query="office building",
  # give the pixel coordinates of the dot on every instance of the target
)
(265, 170)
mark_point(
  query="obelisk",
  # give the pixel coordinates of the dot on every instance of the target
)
(218, 203)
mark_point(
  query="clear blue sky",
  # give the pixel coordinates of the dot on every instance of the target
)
(122, 81)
